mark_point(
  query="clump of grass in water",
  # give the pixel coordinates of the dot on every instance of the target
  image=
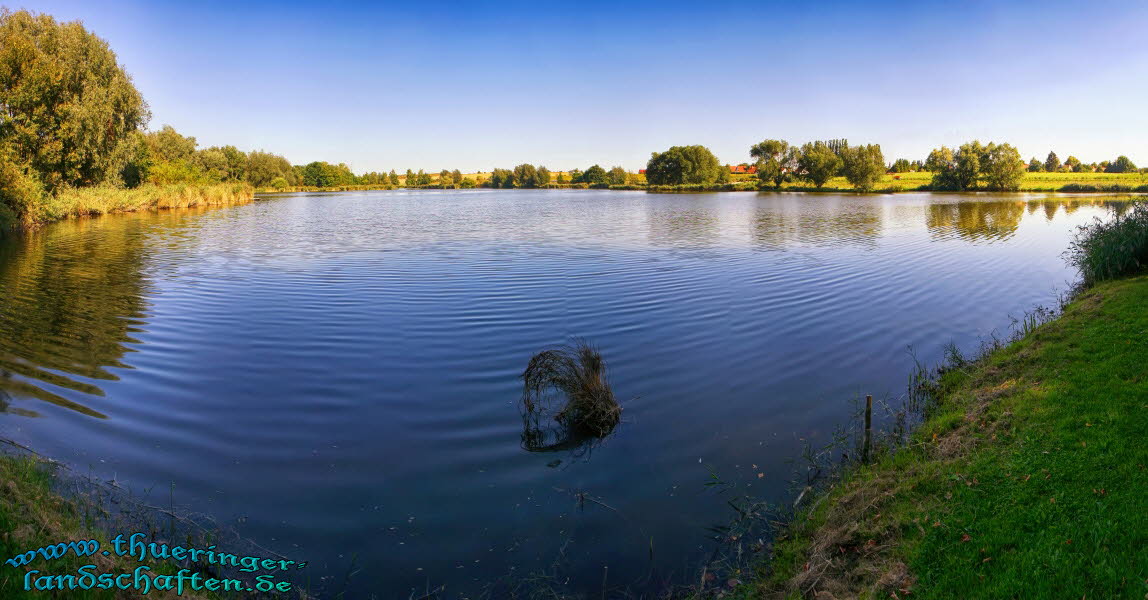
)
(1104, 250)
(578, 374)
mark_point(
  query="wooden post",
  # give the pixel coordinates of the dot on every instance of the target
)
(868, 427)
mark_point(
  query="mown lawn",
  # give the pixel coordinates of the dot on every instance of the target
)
(1029, 480)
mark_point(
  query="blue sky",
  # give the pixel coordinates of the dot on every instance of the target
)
(472, 86)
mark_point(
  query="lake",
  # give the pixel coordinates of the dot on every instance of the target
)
(338, 375)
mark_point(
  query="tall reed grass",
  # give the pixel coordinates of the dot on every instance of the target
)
(1104, 250)
(99, 200)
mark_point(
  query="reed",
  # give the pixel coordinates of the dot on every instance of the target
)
(1104, 250)
(569, 385)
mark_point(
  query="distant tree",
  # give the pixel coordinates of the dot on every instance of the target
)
(1035, 166)
(212, 162)
(394, 177)
(444, 177)
(901, 165)
(940, 159)
(1072, 163)
(775, 160)
(410, 179)
(683, 165)
(1052, 163)
(543, 176)
(576, 176)
(617, 176)
(1122, 164)
(502, 178)
(423, 177)
(595, 174)
(167, 145)
(526, 176)
(1002, 168)
(66, 105)
(279, 182)
(263, 167)
(456, 177)
(863, 166)
(818, 163)
(561, 177)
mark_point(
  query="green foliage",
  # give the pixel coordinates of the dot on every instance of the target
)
(999, 167)
(1107, 250)
(67, 105)
(683, 165)
(394, 177)
(21, 192)
(901, 165)
(819, 163)
(501, 178)
(1122, 164)
(279, 183)
(1002, 168)
(618, 176)
(776, 161)
(940, 159)
(526, 176)
(863, 166)
(1035, 166)
(595, 175)
(1052, 163)
(323, 174)
(543, 176)
(264, 167)
(456, 177)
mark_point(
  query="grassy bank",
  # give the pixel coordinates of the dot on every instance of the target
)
(32, 516)
(98, 200)
(1026, 480)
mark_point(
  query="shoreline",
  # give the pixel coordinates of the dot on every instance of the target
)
(1025, 466)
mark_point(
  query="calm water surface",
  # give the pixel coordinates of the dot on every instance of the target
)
(337, 375)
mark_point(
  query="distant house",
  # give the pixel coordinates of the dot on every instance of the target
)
(742, 169)
(641, 171)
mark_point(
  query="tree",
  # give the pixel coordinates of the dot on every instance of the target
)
(1072, 163)
(775, 161)
(279, 183)
(543, 176)
(576, 176)
(264, 167)
(1122, 164)
(901, 165)
(501, 178)
(939, 159)
(456, 177)
(1003, 168)
(168, 145)
(818, 163)
(423, 177)
(66, 104)
(963, 171)
(683, 165)
(595, 175)
(1035, 166)
(445, 178)
(561, 177)
(863, 166)
(617, 176)
(212, 162)
(526, 176)
(1052, 163)
(410, 180)
(394, 177)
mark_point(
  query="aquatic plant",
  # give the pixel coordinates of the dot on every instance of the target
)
(567, 385)
(1104, 250)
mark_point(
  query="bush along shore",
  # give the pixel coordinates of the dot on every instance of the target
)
(1026, 476)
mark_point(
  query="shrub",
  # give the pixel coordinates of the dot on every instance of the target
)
(578, 374)
(1106, 250)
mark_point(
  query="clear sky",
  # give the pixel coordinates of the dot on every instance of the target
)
(472, 86)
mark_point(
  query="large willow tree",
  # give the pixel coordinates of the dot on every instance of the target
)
(67, 108)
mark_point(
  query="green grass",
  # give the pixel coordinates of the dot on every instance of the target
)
(1028, 479)
(32, 515)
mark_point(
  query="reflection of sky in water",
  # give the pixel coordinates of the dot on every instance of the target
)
(341, 371)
